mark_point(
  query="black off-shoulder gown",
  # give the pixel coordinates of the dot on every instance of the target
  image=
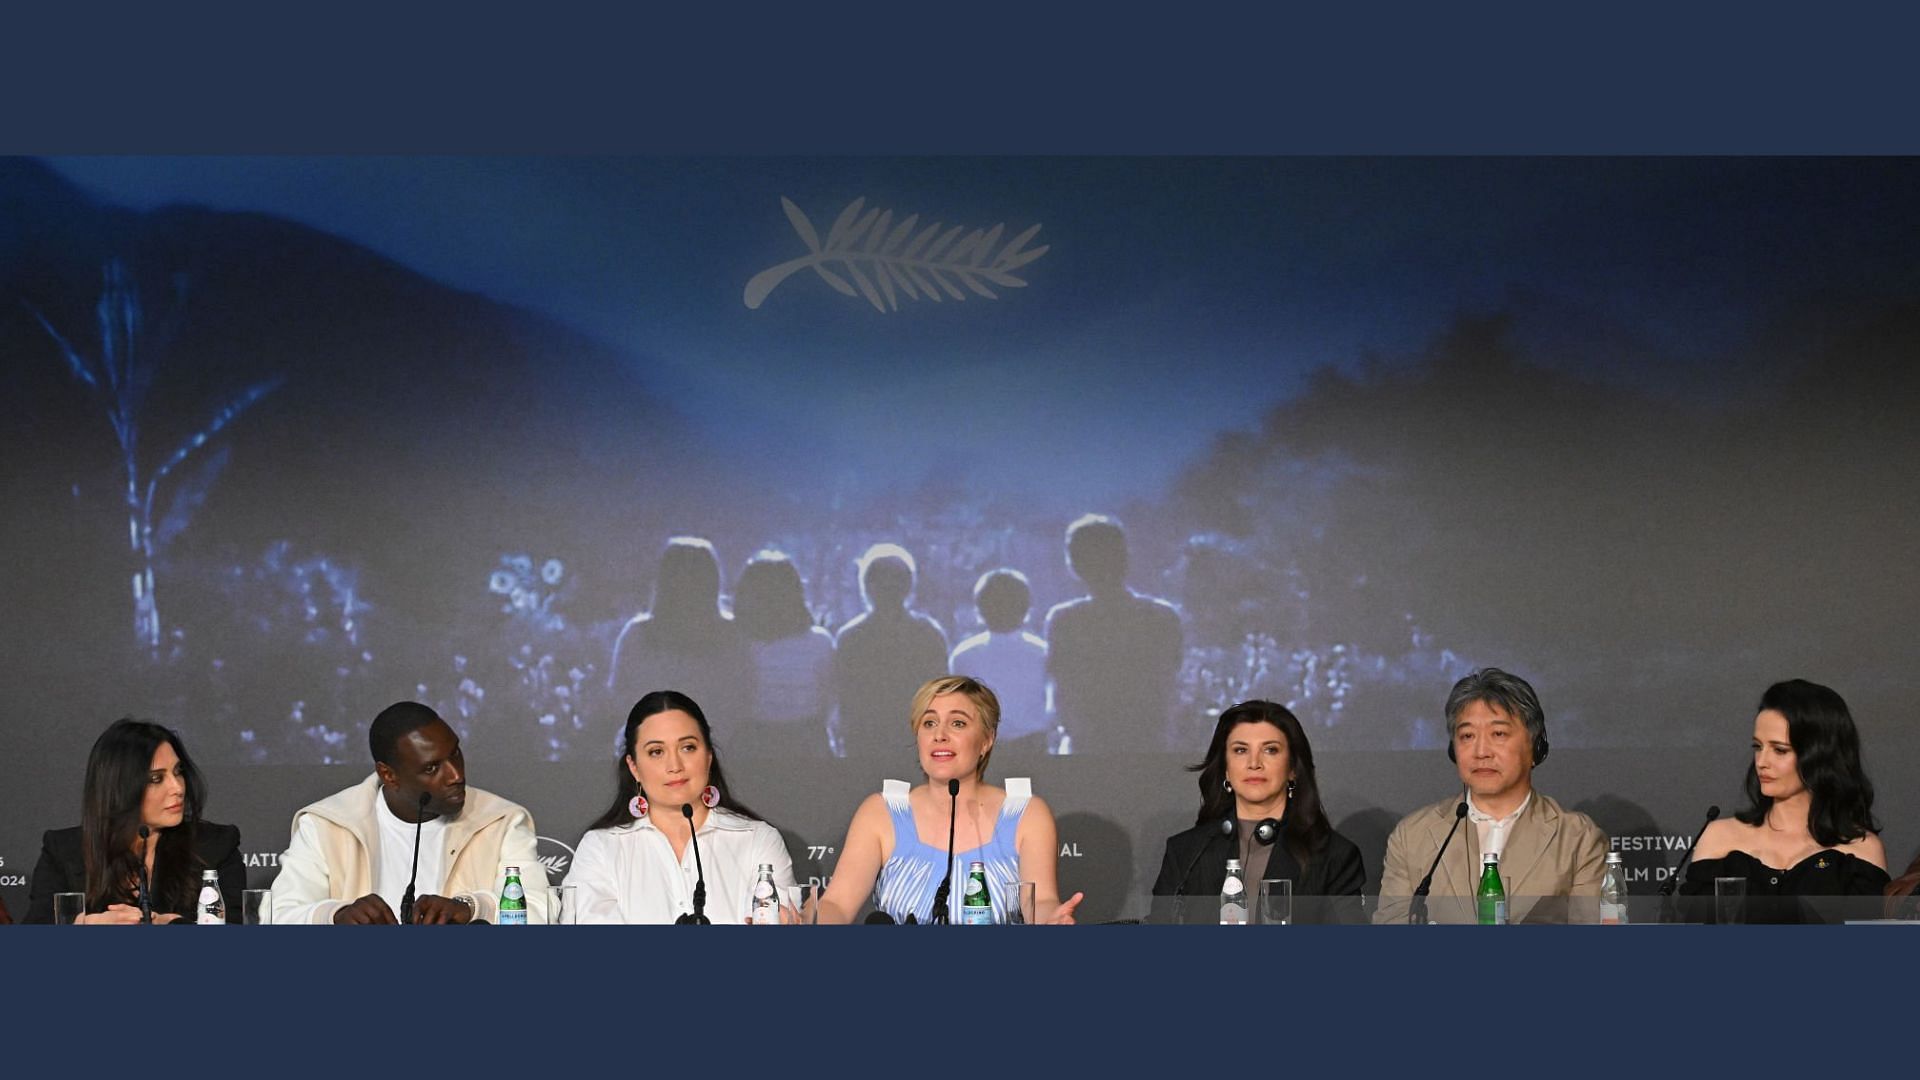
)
(1813, 890)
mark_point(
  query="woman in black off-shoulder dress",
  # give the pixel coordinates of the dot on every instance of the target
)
(1807, 843)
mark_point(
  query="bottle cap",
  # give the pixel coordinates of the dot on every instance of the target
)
(1613, 856)
(1233, 864)
(1489, 858)
(513, 871)
(766, 868)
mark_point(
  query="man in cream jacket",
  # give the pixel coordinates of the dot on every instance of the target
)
(351, 856)
(1551, 858)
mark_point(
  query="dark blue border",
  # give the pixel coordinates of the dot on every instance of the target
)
(1136, 1000)
(604, 77)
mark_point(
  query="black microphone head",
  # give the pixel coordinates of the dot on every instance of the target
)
(686, 811)
(879, 918)
(953, 788)
(1266, 830)
(1460, 811)
(144, 831)
(1712, 812)
(425, 798)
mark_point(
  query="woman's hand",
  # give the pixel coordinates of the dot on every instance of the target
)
(124, 915)
(115, 915)
(1063, 915)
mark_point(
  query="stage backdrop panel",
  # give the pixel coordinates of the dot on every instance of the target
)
(285, 440)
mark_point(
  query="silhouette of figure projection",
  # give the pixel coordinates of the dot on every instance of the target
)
(685, 642)
(1010, 660)
(792, 661)
(882, 656)
(1114, 654)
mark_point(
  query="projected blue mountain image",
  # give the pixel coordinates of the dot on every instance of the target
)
(286, 440)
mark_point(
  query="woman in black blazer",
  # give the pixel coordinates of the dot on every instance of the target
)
(138, 775)
(1260, 803)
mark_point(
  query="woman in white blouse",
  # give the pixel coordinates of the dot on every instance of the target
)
(636, 864)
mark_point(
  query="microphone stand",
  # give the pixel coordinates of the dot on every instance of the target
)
(698, 916)
(1417, 911)
(1224, 831)
(146, 881)
(1672, 883)
(406, 899)
(940, 915)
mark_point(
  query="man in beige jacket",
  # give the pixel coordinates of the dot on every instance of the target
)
(1549, 856)
(352, 853)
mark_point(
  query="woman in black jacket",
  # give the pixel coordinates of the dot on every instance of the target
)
(1260, 804)
(139, 775)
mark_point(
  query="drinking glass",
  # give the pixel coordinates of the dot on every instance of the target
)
(1274, 903)
(565, 910)
(800, 904)
(256, 907)
(1021, 911)
(1729, 900)
(68, 907)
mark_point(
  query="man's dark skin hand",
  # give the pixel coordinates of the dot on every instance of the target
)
(441, 911)
(369, 910)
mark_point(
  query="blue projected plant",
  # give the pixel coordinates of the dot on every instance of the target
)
(289, 634)
(536, 640)
(119, 377)
(530, 592)
(899, 259)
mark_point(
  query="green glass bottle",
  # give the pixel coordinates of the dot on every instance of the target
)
(1492, 896)
(976, 906)
(513, 900)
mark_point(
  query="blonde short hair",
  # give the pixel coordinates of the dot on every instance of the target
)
(977, 692)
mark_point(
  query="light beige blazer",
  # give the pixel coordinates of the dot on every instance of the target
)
(1552, 852)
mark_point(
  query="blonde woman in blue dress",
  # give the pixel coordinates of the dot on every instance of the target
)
(896, 846)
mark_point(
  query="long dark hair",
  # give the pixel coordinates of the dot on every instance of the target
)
(110, 821)
(1827, 750)
(626, 787)
(1306, 830)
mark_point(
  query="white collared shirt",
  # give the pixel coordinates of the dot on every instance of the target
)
(628, 874)
(1494, 831)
